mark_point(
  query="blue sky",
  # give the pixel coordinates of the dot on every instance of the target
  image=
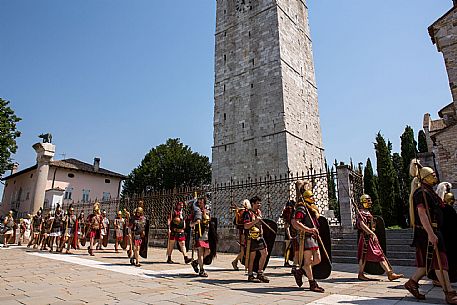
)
(113, 79)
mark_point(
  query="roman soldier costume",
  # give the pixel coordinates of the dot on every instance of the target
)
(71, 229)
(37, 220)
(239, 223)
(81, 230)
(205, 236)
(104, 231)
(255, 242)
(289, 232)
(449, 227)
(9, 230)
(177, 233)
(139, 232)
(119, 223)
(426, 217)
(94, 223)
(56, 228)
(369, 248)
(46, 228)
(306, 215)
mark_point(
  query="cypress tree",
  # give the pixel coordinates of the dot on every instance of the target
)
(408, 152)
(401, 190)
(422, 145)
(386, 179)
(333, 201)
(370, 186)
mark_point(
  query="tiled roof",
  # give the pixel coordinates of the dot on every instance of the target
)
(85, 167)
(71, 164)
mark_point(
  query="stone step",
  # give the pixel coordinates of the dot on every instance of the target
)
(351, 242)
(390, 255)
(390, 248)
(393, 261)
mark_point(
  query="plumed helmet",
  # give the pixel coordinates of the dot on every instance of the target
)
(10, 213)
(365, 201)
(246, 204)
(139, 210)
(308, 196)
(449, 198)
(96, 207)
(119, 213)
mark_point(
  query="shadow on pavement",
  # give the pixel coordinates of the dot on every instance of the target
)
(343, 280)
(269, 290)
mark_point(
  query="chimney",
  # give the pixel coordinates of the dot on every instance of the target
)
(14, 168)
(96, 164)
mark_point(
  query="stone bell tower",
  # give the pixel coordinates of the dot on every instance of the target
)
(266, 116)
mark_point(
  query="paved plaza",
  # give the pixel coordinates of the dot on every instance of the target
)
(33, 277)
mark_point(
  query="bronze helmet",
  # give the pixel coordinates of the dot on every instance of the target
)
(365, 201)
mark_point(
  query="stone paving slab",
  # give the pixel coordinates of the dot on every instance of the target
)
(32, 277)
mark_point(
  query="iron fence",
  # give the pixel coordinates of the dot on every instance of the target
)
(274, 192)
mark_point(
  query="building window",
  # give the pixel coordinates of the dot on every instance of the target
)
(255, 152)
(68, 193)
(86, 195)
(107, 181)
(71, 175)
(106, 196)
(31, 175)
(225, 116)
(27, 196)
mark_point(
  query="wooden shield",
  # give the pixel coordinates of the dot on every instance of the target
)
(188, 233)
(270, 238)
(212, 239)
(380, 231)
(145, 242)
(324, 268)
(448, 234)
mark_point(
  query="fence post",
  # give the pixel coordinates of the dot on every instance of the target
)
(345, 196)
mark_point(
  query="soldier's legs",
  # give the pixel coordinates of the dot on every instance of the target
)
(136, 251)
(263, 258)
(308, 263)
(51, 243)
(251, 262)
(307, 267)
(391, 275)
(170, 246)
(182, 245)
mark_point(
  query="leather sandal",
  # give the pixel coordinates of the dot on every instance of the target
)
(313, 286)
(413, 287)
(392, 276)
(451, 297)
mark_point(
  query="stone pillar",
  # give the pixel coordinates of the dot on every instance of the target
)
(345, 196)
(45, 153)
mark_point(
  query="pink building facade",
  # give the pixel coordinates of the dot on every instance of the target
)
(68, 181)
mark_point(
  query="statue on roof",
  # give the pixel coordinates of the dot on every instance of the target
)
(47, 137)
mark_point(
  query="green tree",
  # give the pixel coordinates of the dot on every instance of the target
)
(408, 152)
(166, 166)
(371, 188)
(401, 190)
(422, 142)
(386, 179)
(8, 135)
(333, 201)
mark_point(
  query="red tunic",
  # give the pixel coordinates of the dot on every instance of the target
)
(374, 250)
